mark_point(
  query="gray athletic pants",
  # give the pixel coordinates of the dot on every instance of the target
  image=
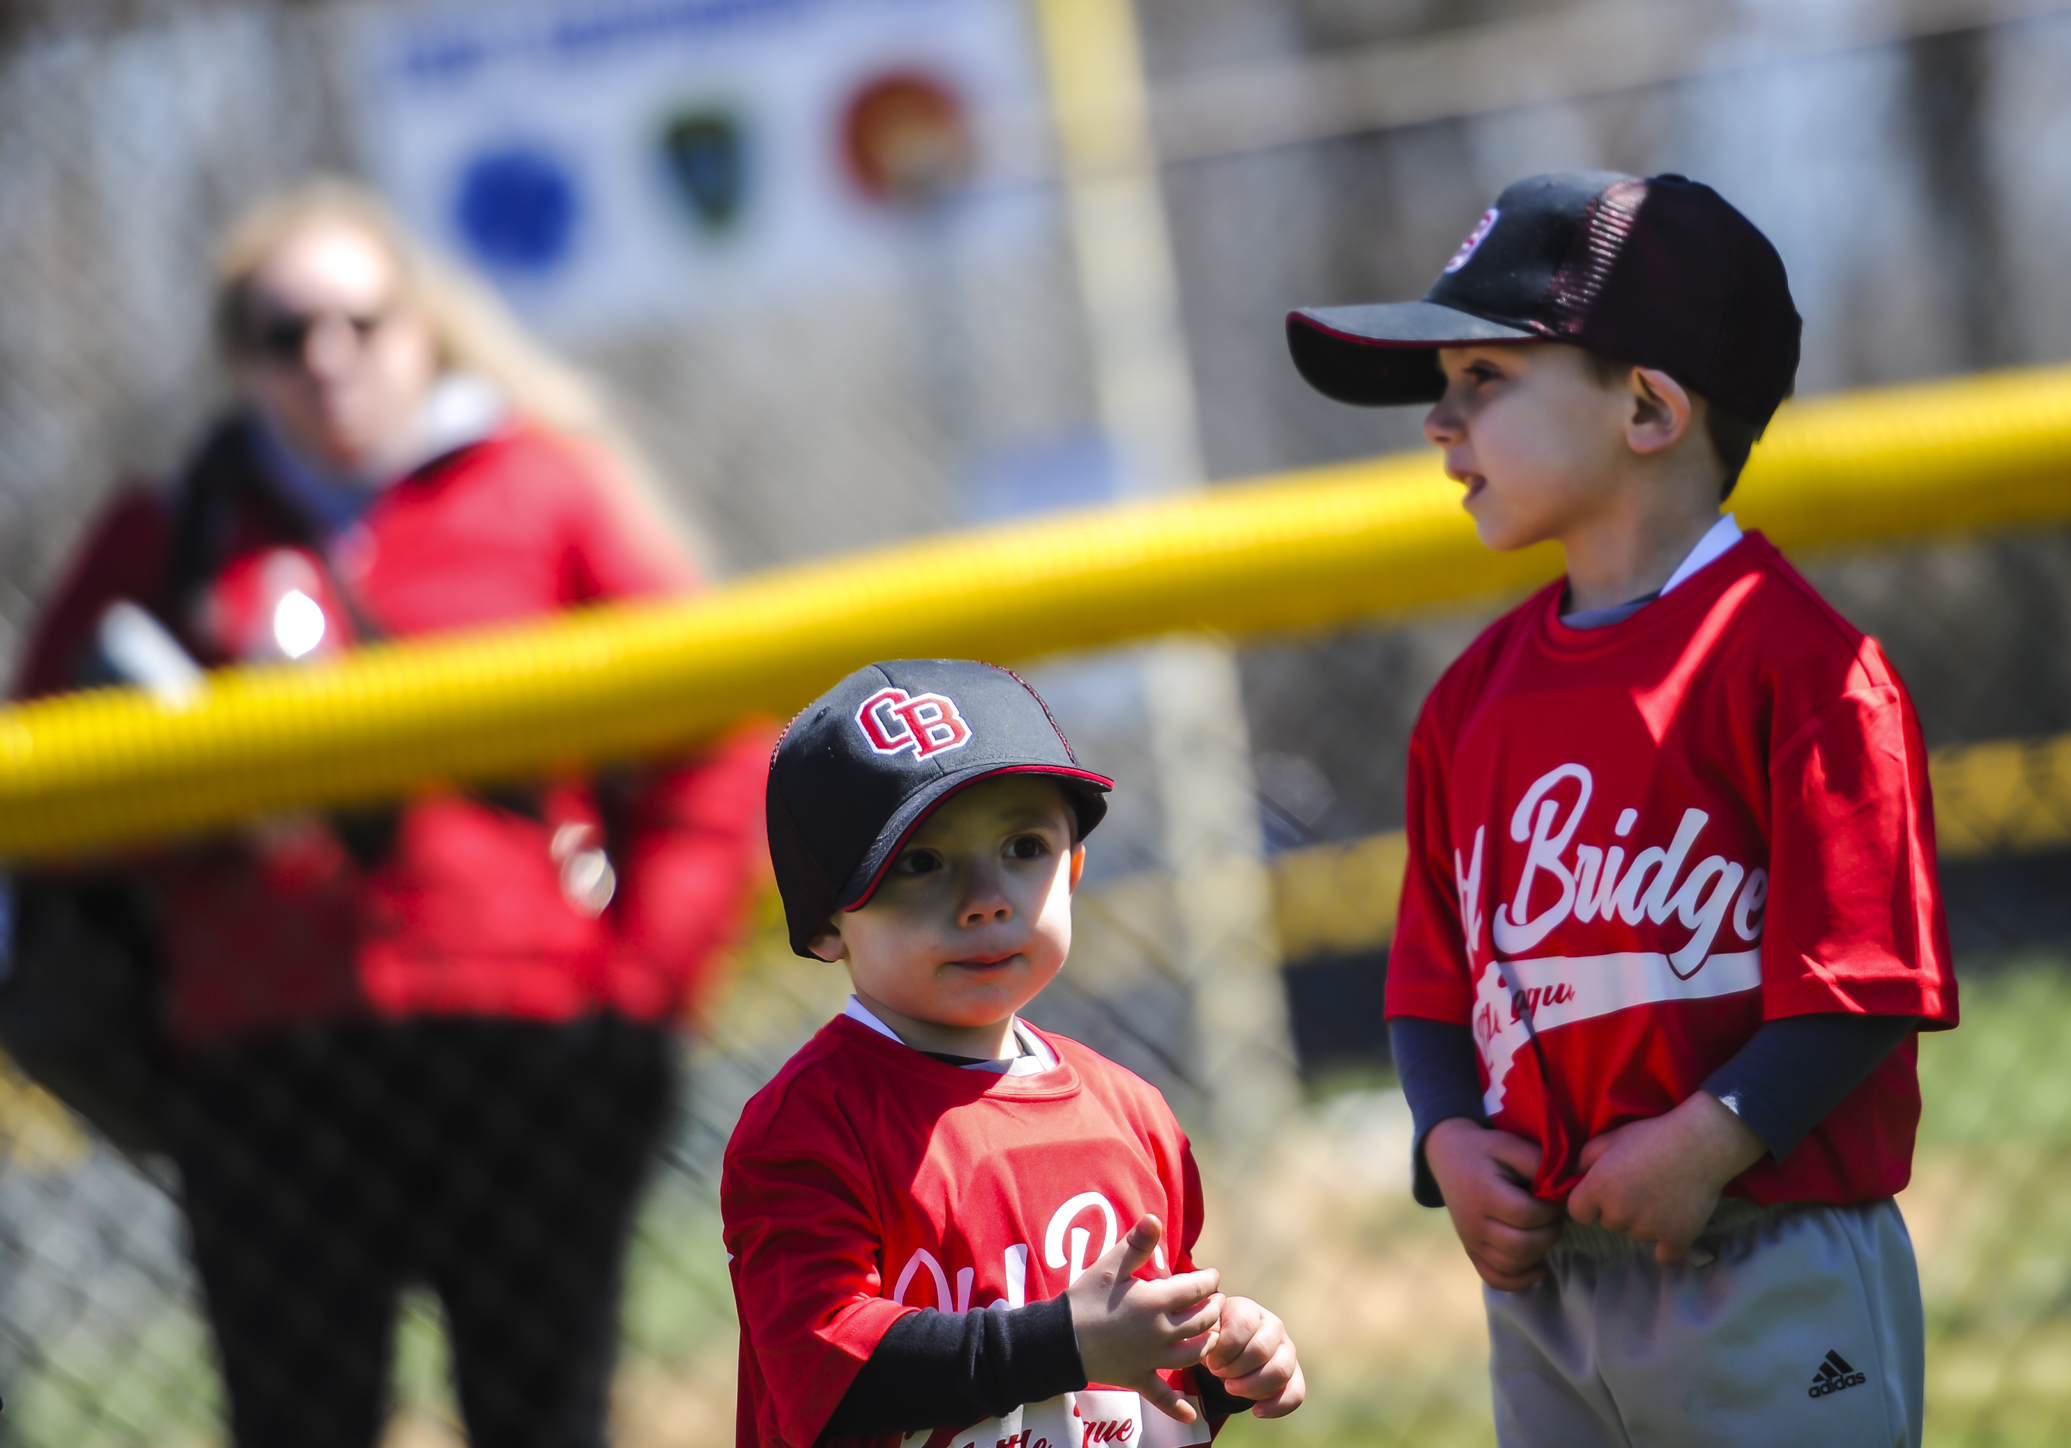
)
(1804, 1329)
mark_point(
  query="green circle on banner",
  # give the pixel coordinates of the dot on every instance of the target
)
(704, 150)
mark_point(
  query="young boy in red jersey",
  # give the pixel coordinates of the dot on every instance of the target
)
(936, 1214)
(1670, 923)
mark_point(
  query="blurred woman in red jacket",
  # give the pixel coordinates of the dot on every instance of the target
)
(426, 1043)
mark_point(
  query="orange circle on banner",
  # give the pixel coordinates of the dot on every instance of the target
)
(906, 139)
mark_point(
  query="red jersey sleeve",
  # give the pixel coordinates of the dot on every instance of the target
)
(1428, 968)
(803, 1245)
(1850, 919)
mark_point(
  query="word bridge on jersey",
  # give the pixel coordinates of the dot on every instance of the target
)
(1658, 889)
(895, 721)
(1089, 1418)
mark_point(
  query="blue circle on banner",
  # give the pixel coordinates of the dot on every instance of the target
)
(517, 207)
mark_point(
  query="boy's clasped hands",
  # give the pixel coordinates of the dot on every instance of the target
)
(1657, 1180)
(1129, 1328)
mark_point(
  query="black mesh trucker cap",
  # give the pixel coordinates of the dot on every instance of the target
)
(867, 761)
(1659, 272)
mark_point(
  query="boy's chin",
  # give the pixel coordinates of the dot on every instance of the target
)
(1504, 535)
(981, 1016)
(1496, 538)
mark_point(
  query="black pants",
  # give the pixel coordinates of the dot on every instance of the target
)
(499, 1162)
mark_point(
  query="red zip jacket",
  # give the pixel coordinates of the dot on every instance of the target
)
(463, 912)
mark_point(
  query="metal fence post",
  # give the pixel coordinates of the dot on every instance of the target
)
(1199, 740)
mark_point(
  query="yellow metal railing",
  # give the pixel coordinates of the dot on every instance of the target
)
(1309, 549)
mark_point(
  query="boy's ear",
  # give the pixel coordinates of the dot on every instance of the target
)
(829, 947)
(1078, 865)
(1662, 410)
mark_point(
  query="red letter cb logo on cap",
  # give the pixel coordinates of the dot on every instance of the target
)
(928, 724)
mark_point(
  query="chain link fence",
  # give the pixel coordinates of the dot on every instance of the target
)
(1917, 186)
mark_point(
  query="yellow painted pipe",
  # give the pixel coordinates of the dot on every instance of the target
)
(2007, 797)
(114, 766)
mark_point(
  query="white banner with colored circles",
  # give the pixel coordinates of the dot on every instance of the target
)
(609, 163)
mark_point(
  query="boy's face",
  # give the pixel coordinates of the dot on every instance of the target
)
(1538, 440)
(973, 918)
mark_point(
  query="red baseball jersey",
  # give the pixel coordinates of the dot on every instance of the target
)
(867, 1181)
(1630, 846)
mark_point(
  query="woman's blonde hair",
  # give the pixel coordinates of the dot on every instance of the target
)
(474, 332)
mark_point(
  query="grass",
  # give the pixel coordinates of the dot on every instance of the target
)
(149, 1381)
(1990, 1209)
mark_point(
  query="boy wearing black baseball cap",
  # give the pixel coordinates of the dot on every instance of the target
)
(1670, 924)
(936, 1214)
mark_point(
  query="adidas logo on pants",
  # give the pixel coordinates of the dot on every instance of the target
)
(1834, 1374)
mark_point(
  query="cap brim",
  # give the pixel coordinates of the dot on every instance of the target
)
(1087, 787)
(1385, 355)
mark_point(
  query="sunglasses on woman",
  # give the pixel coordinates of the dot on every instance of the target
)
(281, 337)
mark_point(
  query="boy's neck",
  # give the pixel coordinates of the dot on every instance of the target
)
(992, 1042)
(1627, 553)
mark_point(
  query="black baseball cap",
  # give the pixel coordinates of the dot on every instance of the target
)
(865, 763)
(1660, 272)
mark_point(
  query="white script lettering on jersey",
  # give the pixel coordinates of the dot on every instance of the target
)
(1075, 1420)
(1089, 1418)
(1515, 997)
(1066, 1226)
(1594, 883)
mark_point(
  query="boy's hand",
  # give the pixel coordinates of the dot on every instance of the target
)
(1505, 1229)
(1659, 1180)
(1128, 1329)
(1254, 1357)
